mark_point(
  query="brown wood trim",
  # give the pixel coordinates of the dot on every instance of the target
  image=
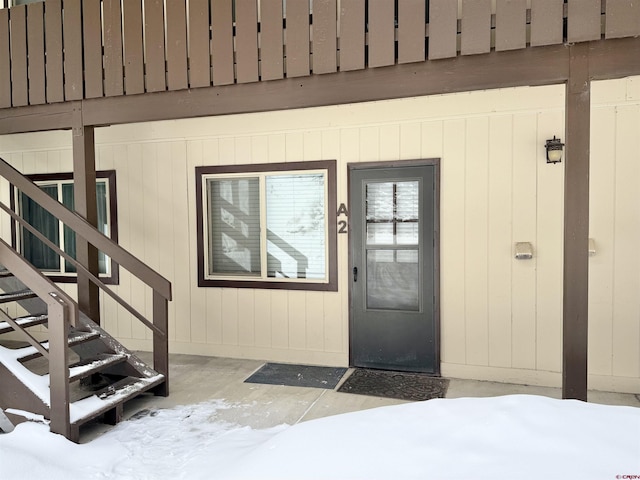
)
(199, 56)
(534, 66)
(176, 30)
(476, 27)
(443, 29)
(222, 42)
(92, 35)
(325, 36)
(154, 52)
(37, 118)
(575, 311)
(246, 41)
(19, 75)
(546, 22)
(133, 47)
(540, 66)
(72, 36)
(110, 175)
(352, 35)
(332, 247)
(436, 162)
(113, 67)
(411, 31)
(297, 44)
(623, 18)
(511, 24)
(35, 42)
(5, 60)
(53, 46)
(381, 30)
(583, 20)
(271, 40)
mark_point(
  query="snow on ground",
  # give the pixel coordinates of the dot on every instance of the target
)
(519, 436)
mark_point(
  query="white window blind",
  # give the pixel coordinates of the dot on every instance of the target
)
(267, 226)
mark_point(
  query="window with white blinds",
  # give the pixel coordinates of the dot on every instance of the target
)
(267, 226)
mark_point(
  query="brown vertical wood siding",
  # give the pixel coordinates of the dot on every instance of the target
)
(246, 41)
(271, 40)
(443, 29)
(5, 60)
(79, 49)
(411, 31)
(583, 20)
(222, 49)
(35, 42)
(199, 41)
(92, 31)
(155, 72)
(177, 78)
(133, 50)
(325, 36)
(297, 39)
(381, 33)
(623, 18)
(72, 37)
(476, 27)
(113, 68)
(546, 22)
(352, 35)
(511, 24)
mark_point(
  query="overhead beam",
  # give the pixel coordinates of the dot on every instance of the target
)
(576, 226)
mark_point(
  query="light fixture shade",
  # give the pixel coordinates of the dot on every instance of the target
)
(554, 150)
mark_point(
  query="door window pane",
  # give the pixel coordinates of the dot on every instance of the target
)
(392, 213)
(296, 226)
(234, 226)
(393, 280)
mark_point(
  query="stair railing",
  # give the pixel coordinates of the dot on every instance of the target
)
(161, 287)
(62, 312)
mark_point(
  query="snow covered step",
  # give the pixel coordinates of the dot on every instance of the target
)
(75, 338)
(111, 397)
(16, 296)
(76, 372)
(24, 322)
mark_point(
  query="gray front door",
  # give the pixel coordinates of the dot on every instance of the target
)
(393, 268)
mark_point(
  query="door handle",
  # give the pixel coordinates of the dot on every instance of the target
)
(355, 274)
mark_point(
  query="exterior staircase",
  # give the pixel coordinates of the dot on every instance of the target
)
(57, 365)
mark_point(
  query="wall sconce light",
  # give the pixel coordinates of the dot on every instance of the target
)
(554, 150)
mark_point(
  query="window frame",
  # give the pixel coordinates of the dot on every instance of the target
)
(113, 278)
(328, 167)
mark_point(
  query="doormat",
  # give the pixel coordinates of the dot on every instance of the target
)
(297, 375)
(400, 385)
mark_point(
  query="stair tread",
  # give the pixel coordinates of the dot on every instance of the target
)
(26, 321)
(16, 296)
(119, 392)
(85, 369)
(74, 338)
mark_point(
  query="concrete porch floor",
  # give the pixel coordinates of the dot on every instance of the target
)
(196, 379)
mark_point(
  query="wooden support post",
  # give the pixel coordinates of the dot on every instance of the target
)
(84, 190)
(161, 342)
(58, 366)
(576, 226)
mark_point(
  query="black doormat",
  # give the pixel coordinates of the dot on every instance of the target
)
(297, 375)
(400, 385)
